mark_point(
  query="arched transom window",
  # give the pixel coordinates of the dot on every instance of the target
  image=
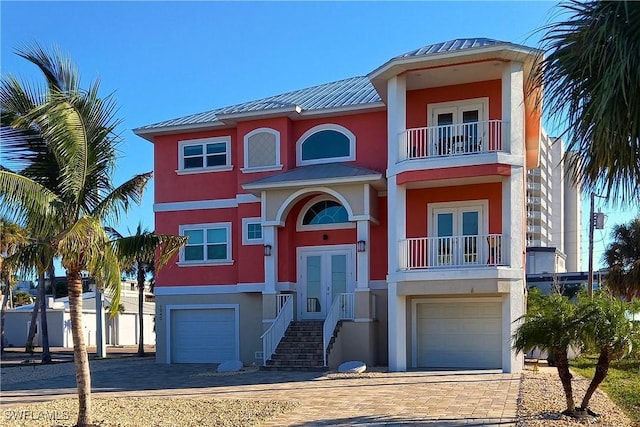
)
(323, 214)
(326, 144)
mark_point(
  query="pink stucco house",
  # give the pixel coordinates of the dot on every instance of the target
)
(391, 205)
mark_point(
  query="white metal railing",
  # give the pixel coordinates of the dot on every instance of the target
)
(342, 308)
(452, 140)
(272, 336)
(281, 299)
(456, 251)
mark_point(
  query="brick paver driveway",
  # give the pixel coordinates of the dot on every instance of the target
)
(414, 398)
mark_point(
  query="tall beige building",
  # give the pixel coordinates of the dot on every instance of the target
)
(553, 212)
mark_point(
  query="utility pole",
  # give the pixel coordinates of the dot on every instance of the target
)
(591, 227)
(596, 220)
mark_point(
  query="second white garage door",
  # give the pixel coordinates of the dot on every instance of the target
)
(203, 335)
(465, 335)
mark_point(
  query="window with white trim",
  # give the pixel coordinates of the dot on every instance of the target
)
(206, 244)
(326, 143)
(204, 155)
(323, 213)
(252, 231)
(262, 150)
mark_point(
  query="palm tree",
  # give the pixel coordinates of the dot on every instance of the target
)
(591, 76)
(12, 237)
(609, 331)
(78, 128)
(141, 254)
(551, 325)
(623, 261)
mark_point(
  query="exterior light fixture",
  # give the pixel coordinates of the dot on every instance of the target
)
(361, 245)
(267, 250)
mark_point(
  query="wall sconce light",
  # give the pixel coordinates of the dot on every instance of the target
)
(361, 246)
(267, 250)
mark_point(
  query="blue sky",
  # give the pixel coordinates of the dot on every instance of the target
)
(168, 59)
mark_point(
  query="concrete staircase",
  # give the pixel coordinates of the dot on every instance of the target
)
(300, 349)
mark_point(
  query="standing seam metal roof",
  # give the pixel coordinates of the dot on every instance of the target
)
(343, 93)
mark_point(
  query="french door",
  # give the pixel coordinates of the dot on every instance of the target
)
(323, 273)
(458, 128)
(457, 231)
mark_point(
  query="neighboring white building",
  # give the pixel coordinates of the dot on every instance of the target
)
(121, 330)
(553, 212)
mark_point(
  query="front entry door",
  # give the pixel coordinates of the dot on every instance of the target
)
(322, 275)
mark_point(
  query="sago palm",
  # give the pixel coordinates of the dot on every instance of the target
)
(140, 254)
(591, 76)
(554, 326)
(78, 127)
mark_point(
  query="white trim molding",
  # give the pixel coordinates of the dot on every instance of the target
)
(203, 142)
(205, 204)
(207, 289)
(327, 126)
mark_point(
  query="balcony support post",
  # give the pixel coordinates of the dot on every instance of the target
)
(397, 330)
(513, 107)
(396, 116)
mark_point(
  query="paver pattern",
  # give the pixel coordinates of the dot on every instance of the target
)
(469, 398)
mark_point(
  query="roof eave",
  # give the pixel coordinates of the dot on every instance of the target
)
(150, 133)
(256, 188)
(400, 65)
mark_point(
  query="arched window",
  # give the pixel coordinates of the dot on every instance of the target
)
(262, 150)
(322, 213)
(326, 144)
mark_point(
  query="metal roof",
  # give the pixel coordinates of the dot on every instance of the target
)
(351, 92)
(343, 93)
(317, 172)
(450, 46)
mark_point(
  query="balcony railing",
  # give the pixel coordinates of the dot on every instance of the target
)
(452, 140)
(272, 336)
(457, 251)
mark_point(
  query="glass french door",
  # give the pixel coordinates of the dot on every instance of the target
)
(456, 231)
(457, 129)
(323, 274)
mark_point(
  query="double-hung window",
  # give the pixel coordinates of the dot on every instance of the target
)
(206, 244)
(204, 155)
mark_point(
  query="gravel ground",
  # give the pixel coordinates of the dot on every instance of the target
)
(542, 401)
(156, 412)
(29, 372)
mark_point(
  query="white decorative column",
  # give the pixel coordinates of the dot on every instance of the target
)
(396, 116)
(513, 107)
(362, 258)
(397, 228)
(397, 330)
(270, 238)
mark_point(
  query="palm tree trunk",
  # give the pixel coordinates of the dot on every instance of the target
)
(562, 365)
(602, 368)
(28, 347)
(80, 357)
(3, 309)
(46, 354)
(140, 310)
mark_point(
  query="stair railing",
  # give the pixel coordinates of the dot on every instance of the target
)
(272, 336)
(342, 308)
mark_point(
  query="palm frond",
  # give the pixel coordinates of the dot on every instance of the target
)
(20, 194)
(121, 197)
(60, 72)
(591, 79)
(148, 248)
(107, 271)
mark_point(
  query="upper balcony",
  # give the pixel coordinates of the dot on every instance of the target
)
(452, 140)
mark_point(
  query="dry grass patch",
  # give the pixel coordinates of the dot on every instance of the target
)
(156, 412)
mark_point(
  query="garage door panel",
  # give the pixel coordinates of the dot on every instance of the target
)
(203, 335)
(459, 335)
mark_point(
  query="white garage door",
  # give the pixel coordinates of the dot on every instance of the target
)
(459, 335)
(203, 335)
